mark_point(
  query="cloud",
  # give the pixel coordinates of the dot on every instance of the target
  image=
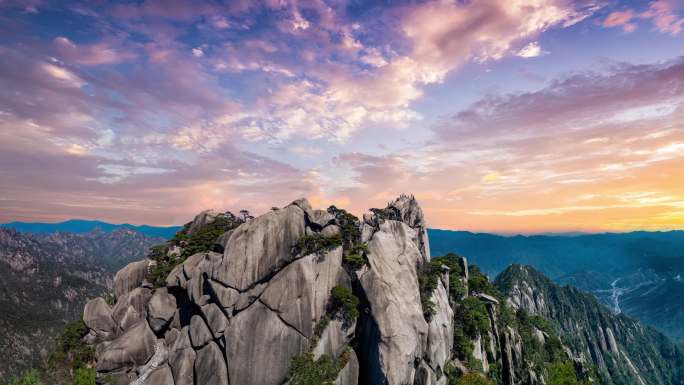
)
(665, 17)
(662, 13)
(92, 54)
(62, 75)
(622, 19)
(447, 34)
(532, 49)
(621, 132)
(293, 97)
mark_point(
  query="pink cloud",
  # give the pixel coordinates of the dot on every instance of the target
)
(621, 19)
(92, 54)
(665, 17)
(663, 14)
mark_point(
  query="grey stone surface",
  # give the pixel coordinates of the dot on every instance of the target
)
(440, 330)
(349, 375)
(182, 358)
(97, 315)
(216, 321)
(300, 292)
(200, 334)
(130, 277)
(391, 285)
(210, 367)
(133, 348)
(202, 219)
(160, 376)
(131, 307)
(261, 357)
(259, 247)
(160, 309)
(334, 339)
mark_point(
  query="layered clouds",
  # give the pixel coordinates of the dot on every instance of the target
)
(151, 111)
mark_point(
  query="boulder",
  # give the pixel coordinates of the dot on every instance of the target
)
(320, 218)
(216, 321)
(97, 315)
(182, 359)
(259, 248)
(131, 307)
(202, 219)
(160, 309)
(133, 348)
(210, 367)
(130, 277)
(200, 334)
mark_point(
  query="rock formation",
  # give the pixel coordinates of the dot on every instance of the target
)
(299, 296)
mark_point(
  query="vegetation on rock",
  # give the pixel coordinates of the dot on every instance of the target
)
(84, 376)
(29, 378)
(70, 347)
(344, 303)
(305, 370)
(316, 243)
(472, 379)
(201, 240)
(355, 252)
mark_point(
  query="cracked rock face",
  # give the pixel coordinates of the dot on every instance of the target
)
(240, 316)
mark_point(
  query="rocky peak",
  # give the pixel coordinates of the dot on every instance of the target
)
(295, 275)
(303, 296)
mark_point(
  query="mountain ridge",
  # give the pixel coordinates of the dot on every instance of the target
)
(78, 226)
(335, 300)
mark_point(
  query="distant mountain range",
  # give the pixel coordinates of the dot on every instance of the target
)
(84, 226)
(638, 273)
(45, 280)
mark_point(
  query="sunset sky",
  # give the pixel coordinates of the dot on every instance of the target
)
(499, 115)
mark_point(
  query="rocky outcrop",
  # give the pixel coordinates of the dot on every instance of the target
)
(400, 346)
(241, 315)
(298, 293)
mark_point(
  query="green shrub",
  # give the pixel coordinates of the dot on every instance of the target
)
(29, 378)
(563, 373)
(355, 261)
(70, 347)
(389, 213)
(456, 286)
(202, 240)
(479, 283)
(344, 303)
(84, 376)
(316, 243)
(349, 226)
(473, 379)
(304, 370)
(428, 278)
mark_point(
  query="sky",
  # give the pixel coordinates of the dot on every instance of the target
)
(510, 116)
